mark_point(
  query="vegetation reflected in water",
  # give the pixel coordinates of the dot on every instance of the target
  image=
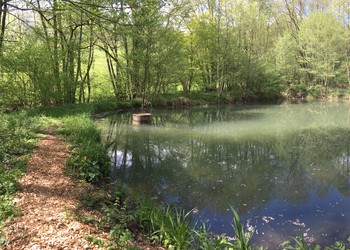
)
(285, 168)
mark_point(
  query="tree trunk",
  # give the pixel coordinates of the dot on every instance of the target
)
(3, 11)
(56, 64)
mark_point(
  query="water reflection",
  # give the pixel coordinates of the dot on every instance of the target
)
(284, 168)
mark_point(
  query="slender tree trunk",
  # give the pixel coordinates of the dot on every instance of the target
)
(146, 77)
(86, 78)
(348, 65)
(112, 74)
(3, 11)
(79, 74)
(56, 64)
(52, 48)
(128, 76)
(71, 80)
(89, 66)
(135, 68)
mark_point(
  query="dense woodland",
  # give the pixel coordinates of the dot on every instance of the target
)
(68, 51)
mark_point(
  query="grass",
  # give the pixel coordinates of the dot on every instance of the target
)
(18, 135)
(89, 158)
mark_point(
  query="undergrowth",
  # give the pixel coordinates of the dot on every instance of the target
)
(18, 136)
(89, 158)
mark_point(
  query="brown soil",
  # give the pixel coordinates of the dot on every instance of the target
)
(47, 199)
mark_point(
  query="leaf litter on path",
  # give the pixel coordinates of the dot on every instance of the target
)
(47, 198)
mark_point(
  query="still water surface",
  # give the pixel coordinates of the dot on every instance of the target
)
(284, 168)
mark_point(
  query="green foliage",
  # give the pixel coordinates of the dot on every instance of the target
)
(242, 238)
(18, 137)
(246, 50)
(113, 211)
(297, 91)
(96, 241)
(84, 109)
(171, 228)
(27, 76)
(89, 158)
(178, 100)
(204, 239)
(286, 51)
(323, 45)
(299, 244)
(90, 162)
(112, 105)
(317, 91)
(17, 134)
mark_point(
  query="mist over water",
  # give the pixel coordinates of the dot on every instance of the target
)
(284, 168)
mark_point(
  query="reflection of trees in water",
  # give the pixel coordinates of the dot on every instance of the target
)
(201, 116)
(312, 154)
(194, 170)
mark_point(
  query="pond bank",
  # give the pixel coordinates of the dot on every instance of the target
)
(76, 125)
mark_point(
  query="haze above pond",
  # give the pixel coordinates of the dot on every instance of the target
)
(285, 168)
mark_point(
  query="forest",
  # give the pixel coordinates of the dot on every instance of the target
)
(67, 51)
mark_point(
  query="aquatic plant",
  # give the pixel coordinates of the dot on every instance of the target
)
(172, 227)
(206, 240)
(299, 243)
(242, 237)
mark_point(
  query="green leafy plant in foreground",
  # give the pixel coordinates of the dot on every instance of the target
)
(95, 240)
(204, 239)
(91, 162)
(242, 238)
(172, 228)
(89, 159)
(299, 243)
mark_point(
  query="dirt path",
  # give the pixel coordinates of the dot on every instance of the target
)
(46, 199)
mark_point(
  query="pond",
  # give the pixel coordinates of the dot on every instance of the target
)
(284, 168)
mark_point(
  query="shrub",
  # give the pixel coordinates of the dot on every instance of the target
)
(297, 91)
(317, 91)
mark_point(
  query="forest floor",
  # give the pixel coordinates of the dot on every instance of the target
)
(47, 199)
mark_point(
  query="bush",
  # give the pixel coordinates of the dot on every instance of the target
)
(297, 91)
(113, 105)
(317, 91)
